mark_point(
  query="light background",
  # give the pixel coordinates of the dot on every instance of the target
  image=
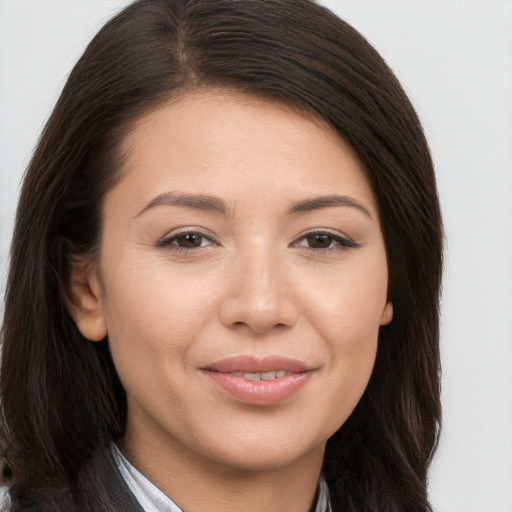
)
(454, 59)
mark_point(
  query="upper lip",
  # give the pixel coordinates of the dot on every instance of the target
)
(266, 363)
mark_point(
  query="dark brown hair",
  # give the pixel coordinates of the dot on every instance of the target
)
(60, 394)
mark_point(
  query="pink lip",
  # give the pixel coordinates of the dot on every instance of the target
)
(259, 392)
(258, 364)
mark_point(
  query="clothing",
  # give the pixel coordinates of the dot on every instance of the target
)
(152, 499)
(119, 487)
(100, 488)
(148, 495)
(117, 490)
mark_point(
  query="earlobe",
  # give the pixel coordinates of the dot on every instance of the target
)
(83, 301)
(387, 314)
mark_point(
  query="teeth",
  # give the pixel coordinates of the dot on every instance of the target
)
(252, 376)
(271, 375)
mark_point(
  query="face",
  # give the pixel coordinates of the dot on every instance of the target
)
(241, 282)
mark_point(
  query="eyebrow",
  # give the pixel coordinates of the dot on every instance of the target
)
(318, 203)
(206, 202)
(197, 201)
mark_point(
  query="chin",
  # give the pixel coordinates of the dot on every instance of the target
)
(264, 454)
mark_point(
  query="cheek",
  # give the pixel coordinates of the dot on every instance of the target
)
(352, 339)
(152, 317)
(348, 308)
(347, 314)
(351, 330)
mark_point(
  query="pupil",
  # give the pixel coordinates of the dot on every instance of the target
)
(189, 240)
(319, 241)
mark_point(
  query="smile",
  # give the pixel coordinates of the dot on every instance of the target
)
(259, 380)
(271, 375)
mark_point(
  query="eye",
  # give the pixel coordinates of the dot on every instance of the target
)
(190, 240)
(327, 241)
(186, 240)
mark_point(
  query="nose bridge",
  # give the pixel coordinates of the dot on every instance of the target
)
(258, 268)
(258, 295)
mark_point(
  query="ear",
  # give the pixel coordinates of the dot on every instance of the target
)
(387, 314)
(83, 301)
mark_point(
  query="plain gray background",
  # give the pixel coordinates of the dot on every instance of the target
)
(454, 58)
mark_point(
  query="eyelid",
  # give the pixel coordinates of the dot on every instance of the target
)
(344, 242)
(167, 240)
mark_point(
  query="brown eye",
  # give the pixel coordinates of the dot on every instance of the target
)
(186, 241)
(189, 240)
(327, 241)
(319, 240)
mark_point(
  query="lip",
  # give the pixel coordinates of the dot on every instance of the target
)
(245, 363)
(259, 392)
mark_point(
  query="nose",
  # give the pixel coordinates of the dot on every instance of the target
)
(258, 294)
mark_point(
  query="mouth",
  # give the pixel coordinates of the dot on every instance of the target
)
(259, 364)
(259, 380)
(270, 375)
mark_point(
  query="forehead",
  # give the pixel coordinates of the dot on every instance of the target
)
(226, 142)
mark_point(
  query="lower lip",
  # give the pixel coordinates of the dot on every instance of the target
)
(260, 392)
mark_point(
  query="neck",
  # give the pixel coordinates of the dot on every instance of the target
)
(196, 483)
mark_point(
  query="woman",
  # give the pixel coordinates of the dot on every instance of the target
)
(225, 273)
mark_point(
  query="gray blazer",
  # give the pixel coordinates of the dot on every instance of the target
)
(117, 493)
(108, 492)
(111, 492)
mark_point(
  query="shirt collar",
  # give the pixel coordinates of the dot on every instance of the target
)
(152, 499)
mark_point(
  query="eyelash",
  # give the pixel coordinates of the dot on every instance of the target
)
(171, 241)
(342, 243)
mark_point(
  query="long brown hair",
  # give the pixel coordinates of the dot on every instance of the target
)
(60, 394)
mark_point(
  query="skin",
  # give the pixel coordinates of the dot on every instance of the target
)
(255, 285)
